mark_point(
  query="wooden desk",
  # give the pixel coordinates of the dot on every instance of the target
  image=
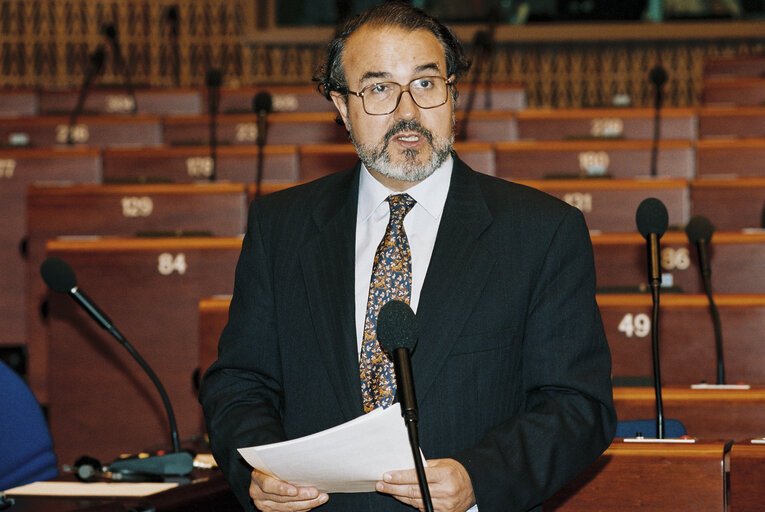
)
(747, 470)
(116, 210)
(705, 413)
(157, 101)
(242, 129)
(213, 315)
(619, 123)
(616, 158)
(729, 204)
(100, 401)
(488, 126)
(609, 205)
(686, 336)
(181, 164)
(18, 102)
(92, 131)
(284, 98)
(730, 157)
(734, 91)
(19, 168)
(731, 122)
(208, 491)
(736, 261)
(743, 66)
(649, 476)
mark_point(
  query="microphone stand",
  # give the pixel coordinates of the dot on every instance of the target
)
(655, 283)
(483, 42)
(213, 95)
(408, 403)
(95, 65)
(658, 77)
(701, 245)
(119, 62)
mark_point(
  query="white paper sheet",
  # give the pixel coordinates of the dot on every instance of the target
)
(108, 489)
(350, 457)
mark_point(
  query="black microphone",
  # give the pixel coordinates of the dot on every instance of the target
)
(173, 21)
(699, 231)
(94, 67)
(110, 32)
(213, 80)
(652, 221)
(658, 77)
(262, 104)
(60, 277)
(397, 334)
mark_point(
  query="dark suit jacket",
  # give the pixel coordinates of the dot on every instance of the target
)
(512, 369)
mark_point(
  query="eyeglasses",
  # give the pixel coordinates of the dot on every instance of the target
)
(383, 98)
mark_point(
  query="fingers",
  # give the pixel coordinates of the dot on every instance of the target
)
(448, 483)
(271, 494)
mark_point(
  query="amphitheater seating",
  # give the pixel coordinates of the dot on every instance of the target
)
(731, 122)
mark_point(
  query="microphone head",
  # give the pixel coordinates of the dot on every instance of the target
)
(658, 76)
(213, 78)
(262, 102)
(109, 31)
(699, 228)
(396, 326)
(58, 275)
(97, 59)
(652, 217)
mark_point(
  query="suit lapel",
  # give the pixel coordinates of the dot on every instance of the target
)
(458, 270)
(328, 271)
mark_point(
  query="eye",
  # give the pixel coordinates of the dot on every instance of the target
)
(423, 83)
(379, 88)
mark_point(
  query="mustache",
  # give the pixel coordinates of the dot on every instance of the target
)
(408, 126)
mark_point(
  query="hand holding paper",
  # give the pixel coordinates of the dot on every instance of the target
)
(350, 457)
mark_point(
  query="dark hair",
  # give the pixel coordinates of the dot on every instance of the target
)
(331, 76)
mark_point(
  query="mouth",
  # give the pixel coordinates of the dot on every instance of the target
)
(408, 139)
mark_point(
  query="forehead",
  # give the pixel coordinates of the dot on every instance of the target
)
(391, 52)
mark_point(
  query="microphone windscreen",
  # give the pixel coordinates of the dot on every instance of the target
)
(699, 228)
(213, 78)
(58, 275)
(109, 31)
(652, 217)
(262, 102)
(658, 76)
(396, 326)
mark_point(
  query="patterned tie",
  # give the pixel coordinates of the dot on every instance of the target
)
(391, 280)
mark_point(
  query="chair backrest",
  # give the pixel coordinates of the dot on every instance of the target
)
(26, 447)
(647, 428)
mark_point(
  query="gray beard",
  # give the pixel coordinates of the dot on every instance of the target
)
(377, 157)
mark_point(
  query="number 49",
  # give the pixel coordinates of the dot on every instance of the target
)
(635, 325)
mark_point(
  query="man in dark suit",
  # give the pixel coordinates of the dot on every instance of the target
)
(512, 369)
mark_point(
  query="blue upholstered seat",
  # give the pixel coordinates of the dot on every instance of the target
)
(26, 447)
(647, 428)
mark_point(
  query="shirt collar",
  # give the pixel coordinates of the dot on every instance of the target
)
(430, 193)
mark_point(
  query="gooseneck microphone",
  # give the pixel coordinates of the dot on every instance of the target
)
(652, 221)
(60, 277)
(397, 333)
(213, 80)
(262, 104)
(658, 77)
(699, 231)
(94, 67)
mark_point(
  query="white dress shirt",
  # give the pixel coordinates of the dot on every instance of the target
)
(421, 226)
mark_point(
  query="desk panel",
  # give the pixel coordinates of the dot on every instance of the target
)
(730, 158)
(731, 122)
(100, 401)
(18, 102)
(686, 337)
(159, 101)
(747, 472)
(284, 98)
(657, 477)
(705, 413)
(184, 164)
(19, 168)
(242, 129)
(735, 258)
(92, 131)
(609, 205)
(741, 66)
(116, 210)
(617, 159)
(610, 123)
(734, 91)
(729, 204)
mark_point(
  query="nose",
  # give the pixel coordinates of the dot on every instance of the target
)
(407, 108)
